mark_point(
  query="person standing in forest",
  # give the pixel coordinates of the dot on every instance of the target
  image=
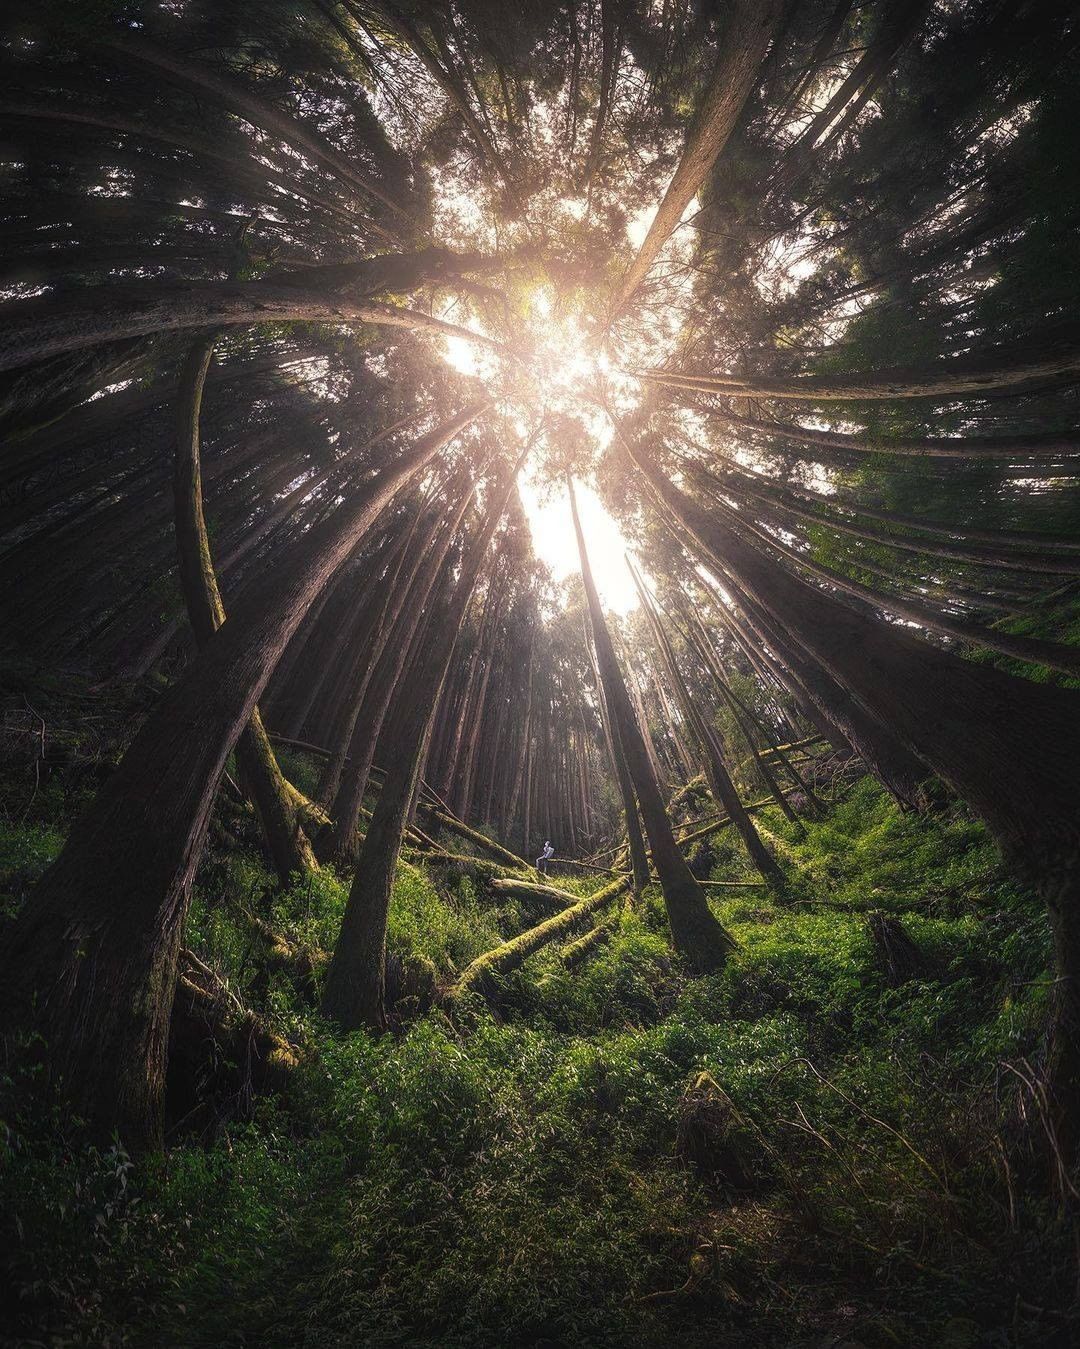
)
(548, 852)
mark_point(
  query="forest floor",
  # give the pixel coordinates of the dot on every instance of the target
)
(807, 1149)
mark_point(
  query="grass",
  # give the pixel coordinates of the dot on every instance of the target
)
(543, 1173)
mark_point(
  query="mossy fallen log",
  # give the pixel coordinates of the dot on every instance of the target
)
(551, 896)
(795, 745)
(481, 868)
(301, 964)
(480, 976)
(311, 814)
(575, 952)
(478, 840)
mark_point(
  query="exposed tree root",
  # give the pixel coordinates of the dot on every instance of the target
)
(221, 1054)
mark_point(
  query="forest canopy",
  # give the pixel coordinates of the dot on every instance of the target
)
(354, 355)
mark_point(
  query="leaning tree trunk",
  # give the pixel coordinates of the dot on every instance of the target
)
(695, 932)
(723, 789)
(90, 963)
(639, 860)
(1006, 745)
(1054, 445)
(746, 37)
(353, 993)
(747, 719)
(45, 326)
(992, 370)
(340, 843)
(384, 614)
(289, 848)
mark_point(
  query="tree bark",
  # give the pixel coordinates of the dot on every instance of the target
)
(1055, 445)
(340, 843)
(635, 844)
(73, 320)
(90, 963)
(723, 789)
(991, 371)
(289, 848)
(355, 981)
(750, 28)
(695, 932)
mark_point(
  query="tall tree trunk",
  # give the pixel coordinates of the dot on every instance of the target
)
(695, 932)
(396, 585)
(289, 848)
(353, 992)
(339, 844)
(747, 720)
(231, 93)
(45, 326)
(750, 27)
(90, 963)
(989, 371)
(1055, 445)
(1007, 746)
(635, 843)
(723, 789)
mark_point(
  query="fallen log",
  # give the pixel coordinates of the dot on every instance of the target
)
(375, 772)
(478, 840)
(301, 964)
(721, 822)
(481, 866)
(479, 977)
(549, 896)
(577, 951)
(795, 745)
(585, 866)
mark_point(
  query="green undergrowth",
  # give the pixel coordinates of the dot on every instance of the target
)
(553, 1169)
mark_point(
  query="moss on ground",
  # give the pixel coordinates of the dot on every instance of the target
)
(521, 1176)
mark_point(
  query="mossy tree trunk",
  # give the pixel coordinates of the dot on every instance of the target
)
(288, 844)
(90, 964)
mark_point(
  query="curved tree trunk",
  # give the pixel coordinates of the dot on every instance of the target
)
(259, 771)
(991, 371)
(232, 94)
(1008, 746)
(73, 320)
(91, 961)
(353, 992)
(1055, 445)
